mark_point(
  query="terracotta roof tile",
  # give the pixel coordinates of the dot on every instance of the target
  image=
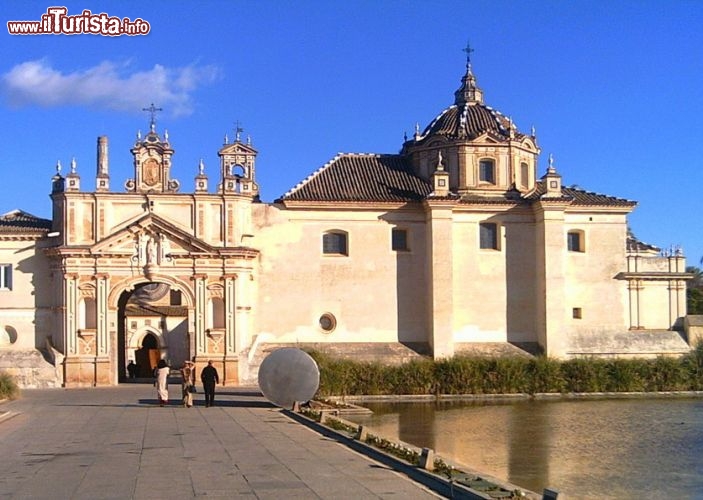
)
(18, 221)
(363, 178)
(582, 197)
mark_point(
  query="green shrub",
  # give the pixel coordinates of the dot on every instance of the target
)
(8, 387)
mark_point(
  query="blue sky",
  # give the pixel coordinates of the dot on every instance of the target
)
(614, 90)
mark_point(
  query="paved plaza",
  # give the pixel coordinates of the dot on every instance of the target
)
(117, 442)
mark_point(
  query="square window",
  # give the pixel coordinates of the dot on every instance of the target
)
(488, 237)
(577, 313)
(5, 276)
(334, 243)
(399, 239)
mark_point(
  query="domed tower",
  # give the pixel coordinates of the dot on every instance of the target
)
(482, 149)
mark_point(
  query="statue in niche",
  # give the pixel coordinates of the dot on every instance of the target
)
(151, 251)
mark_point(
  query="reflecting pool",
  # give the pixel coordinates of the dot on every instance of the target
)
(596, 448)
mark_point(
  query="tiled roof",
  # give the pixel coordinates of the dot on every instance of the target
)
(362, 177)
(635, 245)
(467, 121)
(18, 221)
(149, 310)
(583, 198)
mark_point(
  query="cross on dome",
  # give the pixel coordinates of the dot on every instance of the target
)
(468, 51)
(152, 111)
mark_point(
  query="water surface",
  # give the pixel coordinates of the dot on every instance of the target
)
(596, 448)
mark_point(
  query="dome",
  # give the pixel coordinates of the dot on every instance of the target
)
(467, 121)
(468, 117)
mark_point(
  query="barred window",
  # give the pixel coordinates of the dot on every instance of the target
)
(334, 243)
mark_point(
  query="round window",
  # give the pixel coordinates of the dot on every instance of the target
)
(328, 322)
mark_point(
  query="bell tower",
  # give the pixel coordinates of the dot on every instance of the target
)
(238, 166)
(152, 161)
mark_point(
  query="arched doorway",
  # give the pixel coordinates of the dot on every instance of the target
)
(152, 325)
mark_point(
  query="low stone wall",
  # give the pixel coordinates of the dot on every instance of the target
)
(633, 343)
(693, 326)
(29, 368)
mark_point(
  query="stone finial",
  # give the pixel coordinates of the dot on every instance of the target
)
(440, 161)
(201, 167)
(551, 168)
(73, 165)
(58, 167)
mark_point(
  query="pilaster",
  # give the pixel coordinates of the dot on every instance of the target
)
(440, 279)
(200, 292)
(551, 276)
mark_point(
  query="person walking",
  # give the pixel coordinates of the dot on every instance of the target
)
(188, 383)
(161, 373)
(209, 378)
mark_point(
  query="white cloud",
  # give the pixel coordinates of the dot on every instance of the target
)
(107, 86)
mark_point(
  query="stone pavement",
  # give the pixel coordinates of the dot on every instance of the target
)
(116, 442)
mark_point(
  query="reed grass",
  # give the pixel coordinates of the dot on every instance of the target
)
(509, 375)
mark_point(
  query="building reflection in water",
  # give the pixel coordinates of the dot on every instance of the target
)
(623, 448)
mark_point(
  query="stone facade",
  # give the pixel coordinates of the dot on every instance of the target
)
(453, 242)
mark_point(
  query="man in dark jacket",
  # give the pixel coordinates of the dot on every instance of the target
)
(209, 378)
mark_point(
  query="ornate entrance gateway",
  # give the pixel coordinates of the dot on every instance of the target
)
(152, 274)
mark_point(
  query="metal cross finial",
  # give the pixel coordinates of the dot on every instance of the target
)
(237, 131)
(468, 51)
(152, 110)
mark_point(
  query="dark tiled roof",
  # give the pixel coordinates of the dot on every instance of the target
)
(18, 221)
(468, 121)
(149, 310)
(635, 245)
(582, 198)
(362, 177)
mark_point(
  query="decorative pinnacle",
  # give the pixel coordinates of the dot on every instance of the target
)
(201, 167)
(152, 110)
(73, 165)
(58, 166)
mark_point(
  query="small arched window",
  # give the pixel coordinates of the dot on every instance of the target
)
(487, 171)
(335, 243)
